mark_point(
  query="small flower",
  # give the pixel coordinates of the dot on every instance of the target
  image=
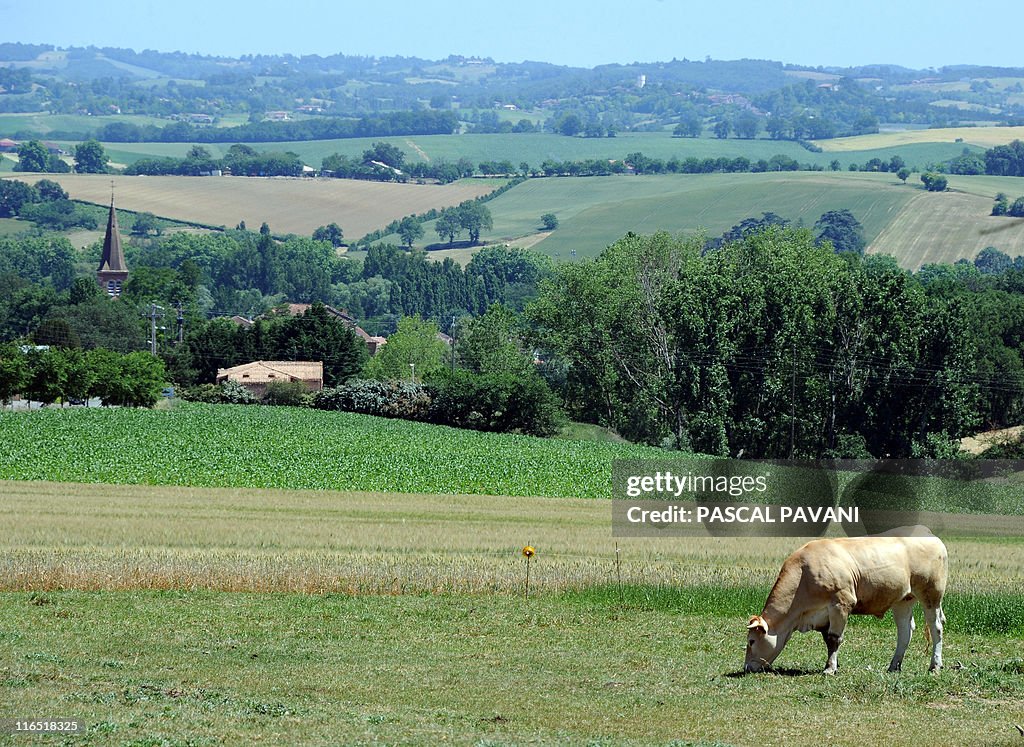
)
(529, 552)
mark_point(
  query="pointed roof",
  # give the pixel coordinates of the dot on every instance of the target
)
(113, 255)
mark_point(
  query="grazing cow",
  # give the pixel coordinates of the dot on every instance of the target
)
(827, 580)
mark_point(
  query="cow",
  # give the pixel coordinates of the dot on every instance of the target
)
(827, 580)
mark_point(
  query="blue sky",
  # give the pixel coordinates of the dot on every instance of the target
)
(575, 32)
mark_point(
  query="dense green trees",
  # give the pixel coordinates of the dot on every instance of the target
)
(772, 346)
(842, 230)
(56, 374)
(414, 352)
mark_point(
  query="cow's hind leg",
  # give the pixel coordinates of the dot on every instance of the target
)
(903, 614)
(934, 617)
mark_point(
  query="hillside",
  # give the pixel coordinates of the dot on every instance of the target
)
(289, 205)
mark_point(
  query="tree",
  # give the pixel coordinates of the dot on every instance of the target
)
(690, 125)
(1002, 204)
(331, 233)
(475, 217)
(934, 182)
(264, 229)
(722, 128)
(842, 229)
(569, 125)
(903, 174)
(14, 195)
(410, 229)
(414, 351)
(90, 158)
(144, 223)
(991, 261)
(549, 221)
(50, 190)
(32, 156)
(385, 153)
(492, 343)
(834, 165)
(448, 225)
(746, 125)
(47, 375)
(13, 371)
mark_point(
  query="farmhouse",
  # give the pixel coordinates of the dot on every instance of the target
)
(257, 375)
(373, 343)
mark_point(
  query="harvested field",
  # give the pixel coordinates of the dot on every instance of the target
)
(289, 205)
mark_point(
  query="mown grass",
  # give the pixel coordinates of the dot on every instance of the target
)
(205, 668)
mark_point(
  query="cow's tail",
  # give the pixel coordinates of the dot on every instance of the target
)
(927, 637)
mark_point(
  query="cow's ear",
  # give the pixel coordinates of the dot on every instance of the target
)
(758, 623)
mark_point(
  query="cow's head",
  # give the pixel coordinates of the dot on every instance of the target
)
(762, 646)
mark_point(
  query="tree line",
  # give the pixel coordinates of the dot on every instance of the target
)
(777, 346)
(73, 376)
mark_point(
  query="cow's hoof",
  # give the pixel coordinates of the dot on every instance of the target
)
(829, 670)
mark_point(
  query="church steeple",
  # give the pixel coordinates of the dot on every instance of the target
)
(113, 271)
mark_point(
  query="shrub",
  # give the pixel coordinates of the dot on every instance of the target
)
(504, 403)
(285, 394)
(390, 399)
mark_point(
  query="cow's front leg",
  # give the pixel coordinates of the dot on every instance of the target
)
(838, 612)
(903, 614)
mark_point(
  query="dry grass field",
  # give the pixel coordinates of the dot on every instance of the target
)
(109, 537)
(945, 227)
(985, 137)
(289, 205)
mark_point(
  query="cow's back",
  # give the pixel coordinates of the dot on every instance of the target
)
(880, 570)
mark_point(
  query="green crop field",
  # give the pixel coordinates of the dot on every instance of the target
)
(594, 212)
(903, 220)
(194, 444)
(42, 123)
(534, 148)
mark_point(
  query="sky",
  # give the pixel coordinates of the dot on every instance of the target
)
(582, 33)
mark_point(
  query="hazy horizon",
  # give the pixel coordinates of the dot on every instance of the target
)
(914, 34)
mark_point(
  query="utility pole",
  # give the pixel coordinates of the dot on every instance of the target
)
(453, 343)
(155, 312)
(181, 324)
(792, 406)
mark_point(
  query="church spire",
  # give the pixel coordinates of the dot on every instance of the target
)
(113, 271)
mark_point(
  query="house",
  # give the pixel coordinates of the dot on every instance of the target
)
(256, 376)
(8, 146)
(372, 342)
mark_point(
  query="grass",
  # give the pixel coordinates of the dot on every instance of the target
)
(12, 226)
(202, 668)
(43, 123)
(596, 211)
(534, 148)
(128, 537)
(206, 445)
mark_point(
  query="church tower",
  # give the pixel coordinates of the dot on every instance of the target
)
(112, 272)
